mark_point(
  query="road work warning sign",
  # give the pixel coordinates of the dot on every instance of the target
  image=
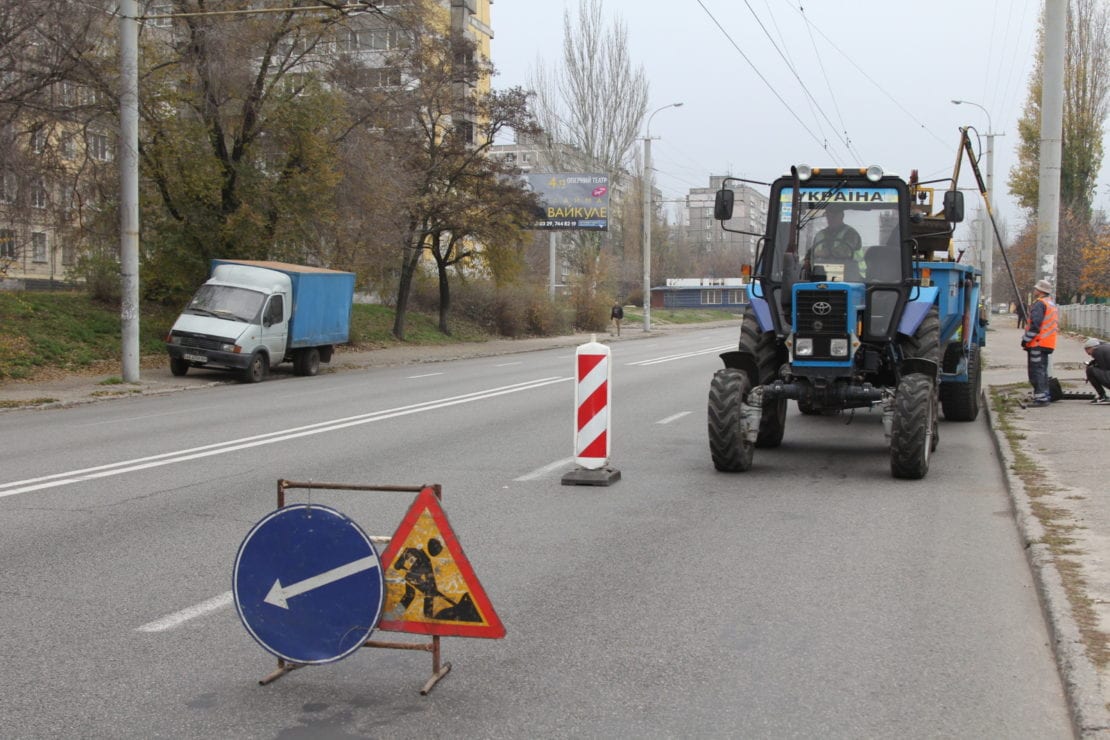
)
(430, 587)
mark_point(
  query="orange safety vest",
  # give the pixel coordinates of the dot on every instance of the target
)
(1046, 336)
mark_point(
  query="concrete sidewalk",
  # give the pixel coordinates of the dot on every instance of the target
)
(1053, 461)
(1051, 457)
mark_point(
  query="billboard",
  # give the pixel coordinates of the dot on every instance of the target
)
(571, 201)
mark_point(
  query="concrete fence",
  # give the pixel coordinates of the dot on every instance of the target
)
(1092, 319)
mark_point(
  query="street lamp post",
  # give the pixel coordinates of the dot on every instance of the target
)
(647, 216)
(987, 229)
(129, 190)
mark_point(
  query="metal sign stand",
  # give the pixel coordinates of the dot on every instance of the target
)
(439, 669)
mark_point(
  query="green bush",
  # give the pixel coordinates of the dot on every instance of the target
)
(591, 307)
(512, 311)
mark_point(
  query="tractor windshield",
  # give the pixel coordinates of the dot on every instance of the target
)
(849, 234)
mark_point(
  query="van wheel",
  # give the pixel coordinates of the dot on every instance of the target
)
(178, 366)
(256, 371)
(307, 362)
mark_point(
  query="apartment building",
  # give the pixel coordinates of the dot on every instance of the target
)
(57, 161)
(705, 234)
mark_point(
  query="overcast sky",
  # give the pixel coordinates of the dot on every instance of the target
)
(880, 76)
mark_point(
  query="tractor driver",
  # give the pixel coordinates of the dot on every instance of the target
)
(838, 242)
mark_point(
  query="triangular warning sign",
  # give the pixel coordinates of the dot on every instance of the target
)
(430, 588)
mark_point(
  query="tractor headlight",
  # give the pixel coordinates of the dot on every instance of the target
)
(803, 348)
(874, 173)
(804, 172)
(838, 347)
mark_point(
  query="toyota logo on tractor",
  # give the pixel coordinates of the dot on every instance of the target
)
(822, 308)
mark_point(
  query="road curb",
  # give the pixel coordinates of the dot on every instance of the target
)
(1089, 715)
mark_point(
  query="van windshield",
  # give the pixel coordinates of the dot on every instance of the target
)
(227, 302)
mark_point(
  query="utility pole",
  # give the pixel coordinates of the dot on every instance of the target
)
(1052, 137)
(129, 188)
(648, 214)
(647, 228)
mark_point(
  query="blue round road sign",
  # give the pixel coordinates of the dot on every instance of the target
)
(308, 584)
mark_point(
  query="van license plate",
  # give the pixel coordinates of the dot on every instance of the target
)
(195, 358)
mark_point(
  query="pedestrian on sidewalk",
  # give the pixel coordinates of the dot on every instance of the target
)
(1039, 340)
(616, 315)
(1098, 369)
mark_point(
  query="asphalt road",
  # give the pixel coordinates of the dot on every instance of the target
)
(812, 596)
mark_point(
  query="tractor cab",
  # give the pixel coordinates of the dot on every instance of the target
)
(836, 264)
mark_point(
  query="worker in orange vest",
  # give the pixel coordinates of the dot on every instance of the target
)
(1039, 340)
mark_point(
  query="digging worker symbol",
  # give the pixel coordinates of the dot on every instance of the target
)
(420, 578)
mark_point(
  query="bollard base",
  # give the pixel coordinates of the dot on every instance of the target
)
(586, 477)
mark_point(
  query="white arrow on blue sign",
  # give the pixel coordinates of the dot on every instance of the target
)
(308, 584)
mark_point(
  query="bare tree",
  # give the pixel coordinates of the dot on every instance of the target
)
(448, 195)
(48, 116)
(591, 107)
(42, 44)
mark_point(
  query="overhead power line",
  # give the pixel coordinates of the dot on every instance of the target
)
(790, 65)
(823, 145)
(868, 77)
(828, 84)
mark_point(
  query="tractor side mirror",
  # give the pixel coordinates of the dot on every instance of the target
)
(722, 206)
(953, 206)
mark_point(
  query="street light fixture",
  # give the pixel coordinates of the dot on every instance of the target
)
(647, 215)
(987, 230)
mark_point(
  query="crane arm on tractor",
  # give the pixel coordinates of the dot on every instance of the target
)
(965, 147)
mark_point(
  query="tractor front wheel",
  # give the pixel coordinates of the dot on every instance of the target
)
(914, 429)
(730, 451)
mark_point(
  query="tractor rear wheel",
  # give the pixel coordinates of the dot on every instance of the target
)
(960, 401)
(763, 346)
(925, 342)
(914, 429)
(730, 451)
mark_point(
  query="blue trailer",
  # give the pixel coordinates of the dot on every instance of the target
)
(251, 315)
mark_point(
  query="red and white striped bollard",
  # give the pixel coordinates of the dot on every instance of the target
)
(593, 397)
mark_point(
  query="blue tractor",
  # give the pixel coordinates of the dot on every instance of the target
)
(856, 301)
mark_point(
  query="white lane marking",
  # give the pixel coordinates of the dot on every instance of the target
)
(673, 417)
(425, 375)
(179, 618)
(541, 472)
(129, 419)
(279, 595)
(222, 448)
(682, 356)
(508, 364)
